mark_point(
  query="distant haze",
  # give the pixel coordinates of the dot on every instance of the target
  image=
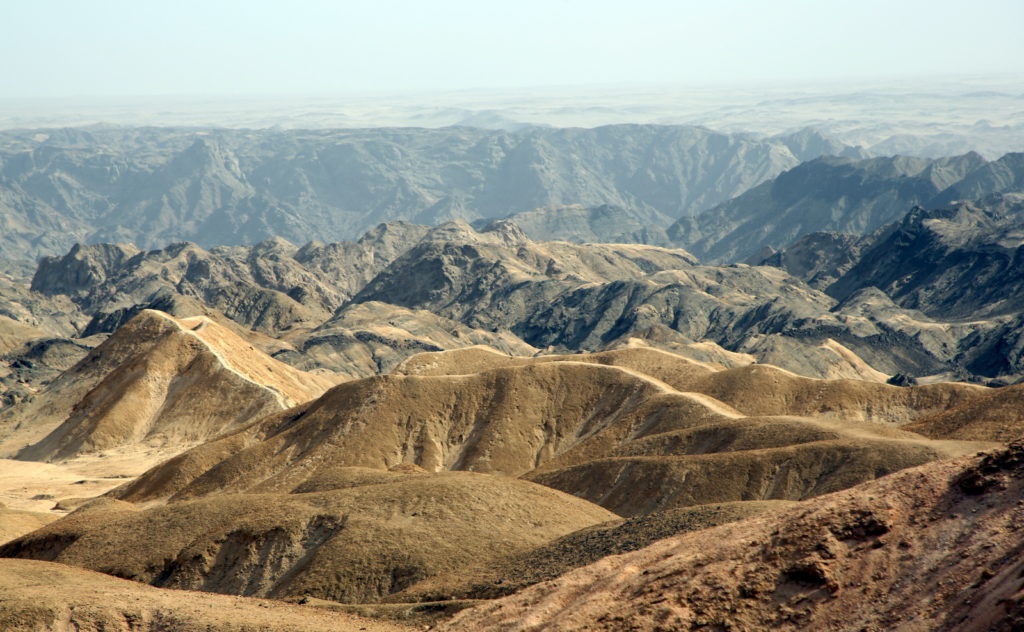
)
(229, 48)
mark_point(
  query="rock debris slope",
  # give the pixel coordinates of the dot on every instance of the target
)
(825, 194)
(930, 548)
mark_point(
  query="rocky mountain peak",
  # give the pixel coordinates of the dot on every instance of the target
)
(82, 267)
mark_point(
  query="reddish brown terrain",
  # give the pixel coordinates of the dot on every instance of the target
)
(936, 547)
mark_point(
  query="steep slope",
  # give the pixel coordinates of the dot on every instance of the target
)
(826, 194)
(151, 186)
(367, 534)
(158, 381)
(494, 277)
(817, 258)
(571, 297)
(48, 597)
(1005, 175)
(929, 548)
(271, 286)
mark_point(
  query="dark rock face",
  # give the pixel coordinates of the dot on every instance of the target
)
(935, 293)
(954, 272)
(270, 287)
(154, 186)
(902, 379)
(826, 194)
(962, 262)
(817, 258)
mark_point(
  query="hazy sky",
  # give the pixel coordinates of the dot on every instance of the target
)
(67, 48)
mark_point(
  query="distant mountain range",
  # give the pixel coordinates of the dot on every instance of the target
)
(839, 194)
(153, 186)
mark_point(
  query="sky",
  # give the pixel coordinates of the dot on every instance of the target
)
(56, 49)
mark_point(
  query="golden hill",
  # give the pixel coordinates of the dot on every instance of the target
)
(929, 548)
(48, 597)
(372, 533)
(755, 389)
(351, 497)
(159, 381)
(13, 334)
(621, 439)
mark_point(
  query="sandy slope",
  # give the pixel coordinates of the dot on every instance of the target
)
(998, 416)
(44, 597)
(609, 434)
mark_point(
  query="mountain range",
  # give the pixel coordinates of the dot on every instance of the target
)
(517, 404)
(152, 186)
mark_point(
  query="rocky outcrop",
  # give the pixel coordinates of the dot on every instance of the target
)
(960, 262)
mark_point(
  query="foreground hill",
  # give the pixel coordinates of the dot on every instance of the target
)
(929, 548)
(356, 537)
(47, 597)
(998, 415)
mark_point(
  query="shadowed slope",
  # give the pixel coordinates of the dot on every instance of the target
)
(368, 536)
